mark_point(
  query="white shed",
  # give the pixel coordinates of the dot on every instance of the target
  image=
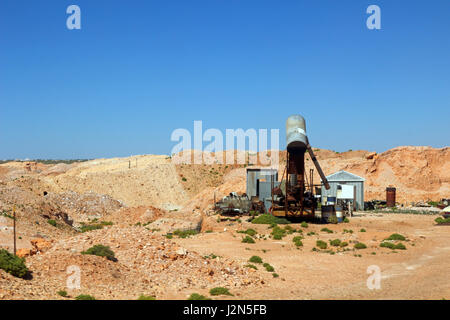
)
(346, 178)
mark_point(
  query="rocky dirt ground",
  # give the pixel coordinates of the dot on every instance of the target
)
(135, 202)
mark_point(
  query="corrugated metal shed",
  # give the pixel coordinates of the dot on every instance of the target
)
(346, 178)
(254, 176)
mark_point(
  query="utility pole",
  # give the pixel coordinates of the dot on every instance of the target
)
(14, 219)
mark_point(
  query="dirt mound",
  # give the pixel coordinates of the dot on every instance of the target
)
(71, 206)
(147, 264)
(136, 181)
(136, 215)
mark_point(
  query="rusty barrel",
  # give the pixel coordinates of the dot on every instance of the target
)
(390, 196)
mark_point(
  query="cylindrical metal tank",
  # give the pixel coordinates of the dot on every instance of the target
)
(296, 133)
(390, 196)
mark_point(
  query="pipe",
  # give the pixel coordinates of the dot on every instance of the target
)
(316, 163)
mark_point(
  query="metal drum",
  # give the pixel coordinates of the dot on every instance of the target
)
(390, 197)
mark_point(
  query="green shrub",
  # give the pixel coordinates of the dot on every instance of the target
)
(251, 266)
(219, 291)
(269, 219)
(304, 224)
(399, 246)
(348, 231)
(250, 232)
(248, 239)
(196, 296)
(62, 293)
(332, 219)
(275, 275)
(362, 230)
(289, 230)
(84, 297)
(12, 264)
(255, 259)
(298, 243)
(326, 230)
(185, 233)
(389, 245)
(335, 242)
(268, 267)
(278, 233)
(321, 244)
(184, 179)
(343, 244)
(441, 220)
(90, 227)
(396, 236)
(144, 297)
(51, 222)
(101, 251)
(360, 245)
(346, 220)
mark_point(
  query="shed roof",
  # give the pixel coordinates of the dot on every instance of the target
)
(344, 176)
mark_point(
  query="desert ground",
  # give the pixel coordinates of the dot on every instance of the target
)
(136, 205)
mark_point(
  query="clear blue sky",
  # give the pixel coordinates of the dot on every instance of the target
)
(137, 70)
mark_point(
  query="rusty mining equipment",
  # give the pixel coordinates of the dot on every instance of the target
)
(295, 196)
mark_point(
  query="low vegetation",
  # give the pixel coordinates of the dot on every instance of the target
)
(144, 297)
(360, 246)
(94, 226)
(6, 214)
(12, 264)
(441, 220)
(396, 237)
(62, 293)
(326, 230)
(248, 239)
(268, 267)
(255, 259)
(196, 296)
(298, 241)
(393, 246)
(185, 233)
(335, 243)
(333, 220)
(278, 233)
(220, 291)
(101, 251)
(269, 219)
(51, 222)
(250, 232)
(84, 297)
(321, 244)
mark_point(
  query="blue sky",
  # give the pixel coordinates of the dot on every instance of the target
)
(137, 70)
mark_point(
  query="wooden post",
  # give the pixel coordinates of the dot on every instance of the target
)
(14, 219)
